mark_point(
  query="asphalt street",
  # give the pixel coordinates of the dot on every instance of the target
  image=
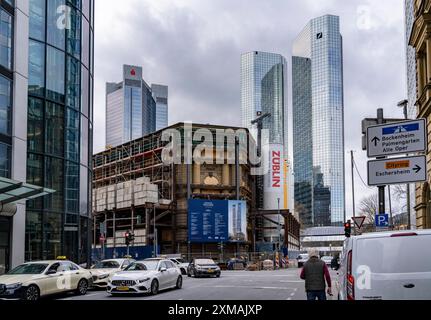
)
(232, 285)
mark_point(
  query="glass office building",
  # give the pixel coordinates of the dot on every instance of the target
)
(130, 108)
(411, 60)
(318, 123)
(6, 126)
(161, 96)
(263, 81)
(60, 128)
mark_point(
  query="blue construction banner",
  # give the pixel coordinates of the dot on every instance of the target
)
(208, 221)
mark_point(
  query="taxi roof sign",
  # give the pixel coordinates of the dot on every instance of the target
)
(61, 258)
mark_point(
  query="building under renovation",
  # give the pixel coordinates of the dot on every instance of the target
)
(137, 188)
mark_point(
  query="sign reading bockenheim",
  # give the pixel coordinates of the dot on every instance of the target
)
(396, 138)
(397, 171)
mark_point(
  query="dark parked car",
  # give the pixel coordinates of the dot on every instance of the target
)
(203, 267)
(233, 262)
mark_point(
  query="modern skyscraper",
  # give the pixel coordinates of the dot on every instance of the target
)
(160, 95)
(263, 90)
(318, 123)
(46, 121)
(130, 108)
(411, 60)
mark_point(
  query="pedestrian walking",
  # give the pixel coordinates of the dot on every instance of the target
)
(315, 272)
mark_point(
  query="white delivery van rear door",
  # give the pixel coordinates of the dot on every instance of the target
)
(393, 268)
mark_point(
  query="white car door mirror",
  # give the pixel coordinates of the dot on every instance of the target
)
(51, 272)
(163, 269)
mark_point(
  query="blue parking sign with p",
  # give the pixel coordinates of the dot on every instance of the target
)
(382, 220)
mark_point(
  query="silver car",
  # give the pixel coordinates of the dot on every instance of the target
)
(147, 276)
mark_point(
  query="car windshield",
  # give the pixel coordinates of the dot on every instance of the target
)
(137, 266)
(151, 264)
(303, 256)
(181, 260)
(106, 265)
(33, 268)
(204, 262)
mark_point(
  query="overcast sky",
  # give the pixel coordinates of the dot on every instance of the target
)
(194, 47)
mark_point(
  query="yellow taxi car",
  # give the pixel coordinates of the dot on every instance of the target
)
(33, 280)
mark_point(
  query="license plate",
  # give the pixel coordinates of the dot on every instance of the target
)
(123, 288)
(210, 271)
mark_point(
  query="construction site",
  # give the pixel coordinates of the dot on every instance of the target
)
(135, 190)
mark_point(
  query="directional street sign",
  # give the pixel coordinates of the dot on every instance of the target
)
(397, 171)
(382, 220)
(359, 222)
(396, 138)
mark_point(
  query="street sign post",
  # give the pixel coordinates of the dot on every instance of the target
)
(397, 171)
(382, 220)
(396, 138)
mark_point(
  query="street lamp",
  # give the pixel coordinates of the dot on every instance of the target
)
(404, 104)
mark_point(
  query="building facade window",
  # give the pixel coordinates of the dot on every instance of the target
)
(55, 65)
(35, 127)
(5, 39)
(5, 106)
(5, 160)
(36, 68)
(37, 19)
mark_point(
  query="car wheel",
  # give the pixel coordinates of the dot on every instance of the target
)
(82, 287)
(154, 287)
(179, 282)
(218, 275)
(32, 293)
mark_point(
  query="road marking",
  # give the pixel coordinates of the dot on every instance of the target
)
(256, 288)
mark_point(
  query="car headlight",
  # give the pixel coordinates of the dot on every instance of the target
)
(198, 267)
(103, 276)
(143, 280)
(14, 286)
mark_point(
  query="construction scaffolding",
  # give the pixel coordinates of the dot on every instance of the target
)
(138, 188)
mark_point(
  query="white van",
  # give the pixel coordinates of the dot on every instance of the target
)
(386, 266)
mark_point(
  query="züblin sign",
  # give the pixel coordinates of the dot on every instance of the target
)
(396, 138)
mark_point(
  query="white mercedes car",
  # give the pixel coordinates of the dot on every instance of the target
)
(105, 269)
(147, 276)
(33, 280)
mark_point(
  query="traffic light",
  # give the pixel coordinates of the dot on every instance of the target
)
(127, 237)
(348, 229)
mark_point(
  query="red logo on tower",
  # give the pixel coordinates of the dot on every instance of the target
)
(133, 72)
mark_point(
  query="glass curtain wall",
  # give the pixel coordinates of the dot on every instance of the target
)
(60, 126)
